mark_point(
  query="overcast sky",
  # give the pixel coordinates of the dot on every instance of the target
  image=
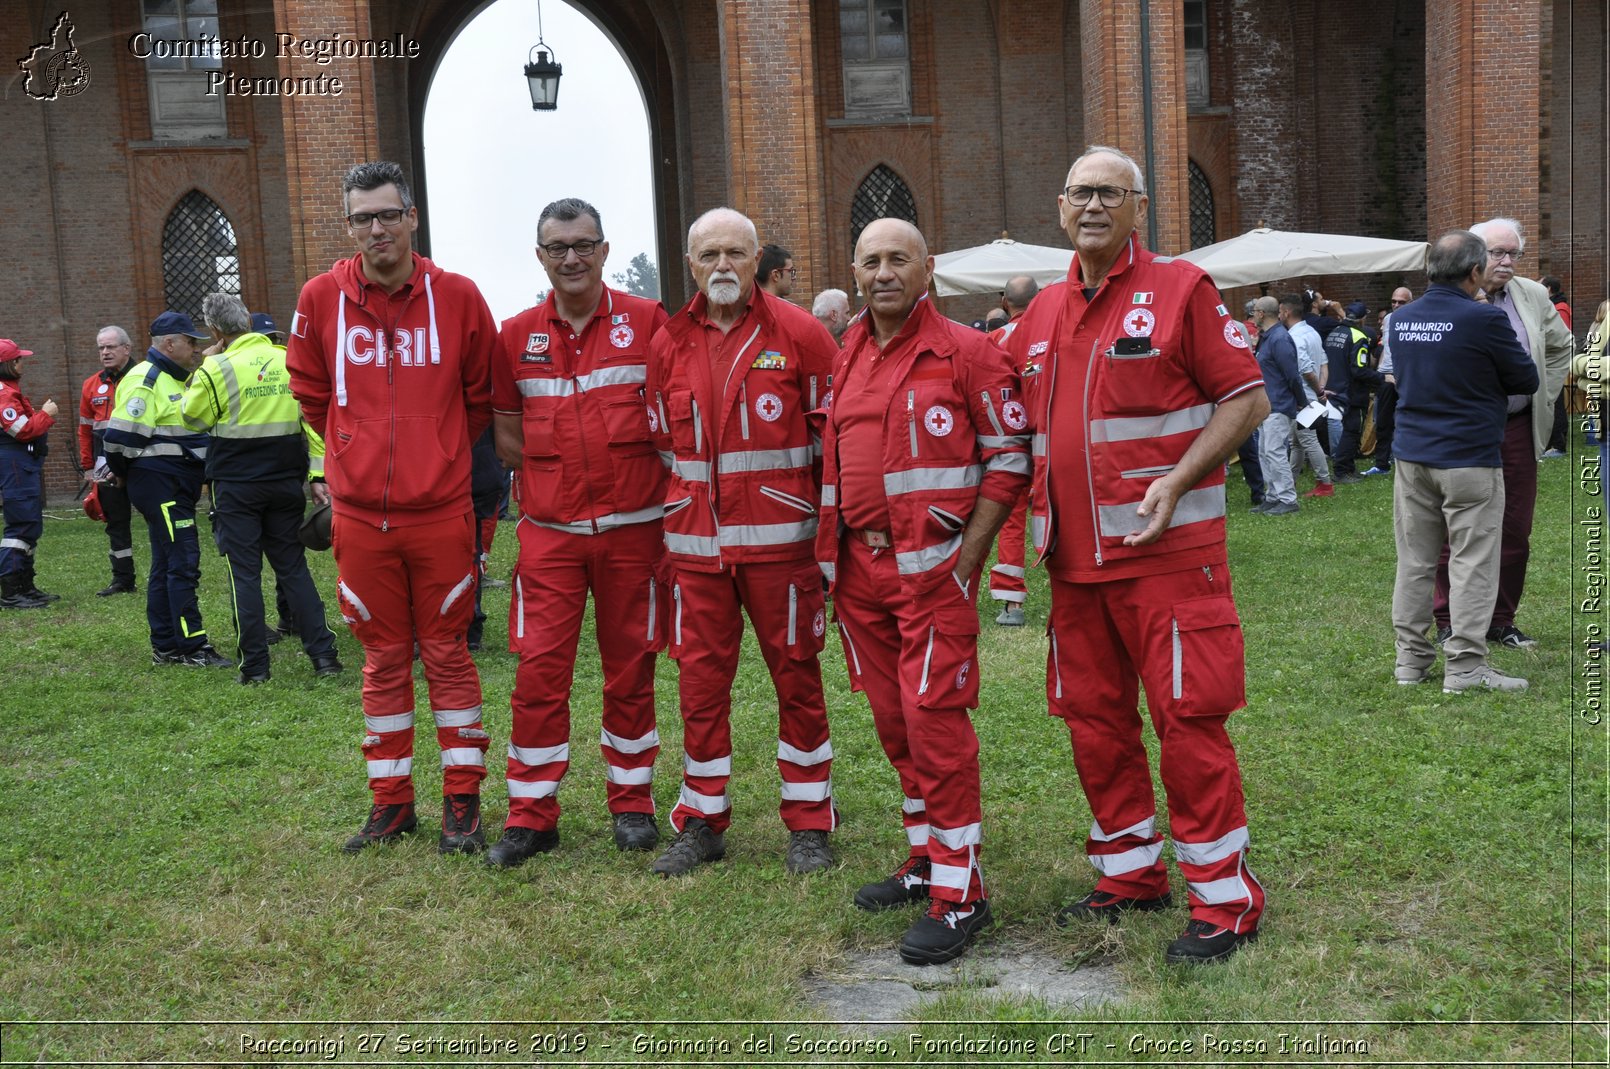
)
(492, 163)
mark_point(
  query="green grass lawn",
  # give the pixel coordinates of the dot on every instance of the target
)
(1436, 866)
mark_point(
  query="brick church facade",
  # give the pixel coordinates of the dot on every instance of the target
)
(133, 189)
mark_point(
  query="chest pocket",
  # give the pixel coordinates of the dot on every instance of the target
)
(626, 421)
(687, 437)
(1134, 382)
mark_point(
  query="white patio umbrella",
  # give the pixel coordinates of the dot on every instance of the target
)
(1265, 255)
(987, 268)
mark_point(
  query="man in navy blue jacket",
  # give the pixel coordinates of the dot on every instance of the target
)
(1456, 361)
(1277, 359)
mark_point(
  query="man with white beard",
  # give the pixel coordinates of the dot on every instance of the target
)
(732, 379)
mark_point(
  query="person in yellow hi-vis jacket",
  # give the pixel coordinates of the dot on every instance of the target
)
(261, 453)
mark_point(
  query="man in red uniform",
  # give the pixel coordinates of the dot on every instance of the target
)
(390, 358)
(94, 413)
(731, 381)
(1006, 578)
(1139, 386)
(569, 412)
(925, 450)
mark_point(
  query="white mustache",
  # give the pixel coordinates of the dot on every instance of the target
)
(724, 287)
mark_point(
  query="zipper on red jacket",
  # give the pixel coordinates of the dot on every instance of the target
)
(581, 420)
(911, 418)
(391, 423)
(1090, 467)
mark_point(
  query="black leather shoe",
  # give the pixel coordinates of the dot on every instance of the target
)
(386, 824)
(693, 846)
(1101, 906)
(247, 680)
(324, 667)
(636, 831)
(118, 586)
(908, 884)
(942, 933)
(519, 845)
(461, 825)
(1204, 942)
(206, 657)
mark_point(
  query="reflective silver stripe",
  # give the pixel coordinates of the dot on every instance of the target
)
(402, 766)
(1146, 473)
(357, 602)
(668, 457)
(1146, 829)
(1006, 441)
(1177, 650)
(257, 430)
(607, 522)
(457, 592)
(619, 375)
(1226, 845)
(120, 553)
(394, 722)
(1129, 861)
(458, 757)
(155, 449)
(765, 459)
(15, 543)
(1020, 463)
(830, 496)
(788, 499)
(1037, 445)
(1131, 428)
(796, 756)
(920, 479)
(539, 755)
(952, 876)
(989, 406)
(83, 422)
(624, 745)
(1013, 570)
(542, 788)
(519, 609)
(1038, 526)
(1204, 503)
(956, 838)
(829, 570)
(708, 804)
(1218, 892)
(693, 471)
(457, 718)
(721, 766)
(546, 387)
(917, 834)
(807, 792)
(917, 561)
(849, 644)
(692, 545)
(913, 805)
(768, 534)
(628, 777)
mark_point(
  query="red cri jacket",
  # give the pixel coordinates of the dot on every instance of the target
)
(399, 387)
(95, 400)
(18, 419)
(956, 431)
(1134, 414)
(590, 462)
(745, 457)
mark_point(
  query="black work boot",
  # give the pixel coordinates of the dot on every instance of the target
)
(636, 831)
(386, 824)
(694, 845)
(519, 845)
(461, 825)
(1204, 942)
(32, 586)
(1102, 906)
(14, 595)
(942, 933)
(908, 884)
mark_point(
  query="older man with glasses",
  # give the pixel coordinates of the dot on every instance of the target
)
(1544, 336)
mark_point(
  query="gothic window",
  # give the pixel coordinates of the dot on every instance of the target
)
(874, 41)
(1196, 54)
(1202, 232)
(180, 47)
(198, 254)
(882, 194)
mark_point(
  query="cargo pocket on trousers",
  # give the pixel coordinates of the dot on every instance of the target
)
(1208, 657)
(659, 607)
(807, 613)
(949, 677)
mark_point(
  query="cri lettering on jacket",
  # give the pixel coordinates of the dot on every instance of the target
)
(409, 348)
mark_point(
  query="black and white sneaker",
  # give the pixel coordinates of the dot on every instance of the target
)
(1203, 942)
(908, 884)
(942, 933)
(1511, 636)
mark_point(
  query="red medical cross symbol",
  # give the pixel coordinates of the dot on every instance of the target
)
(771, 407)
(1138, 321)
(940, 421)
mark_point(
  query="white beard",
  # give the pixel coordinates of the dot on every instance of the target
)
(725, 292)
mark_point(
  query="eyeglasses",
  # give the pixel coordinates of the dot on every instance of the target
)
(1512, 255)
(1111, 196)
(363, 220)
(557, 250)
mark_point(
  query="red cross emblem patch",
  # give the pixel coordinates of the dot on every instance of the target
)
(769, 407)
(653, 420)
(1014, 416)
(939, 421)
(620, 337)
(1139, 323)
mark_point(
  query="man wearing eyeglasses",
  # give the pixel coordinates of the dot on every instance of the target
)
(732, 380)
(775, 271)
(1139, 386)
(570, 416)
(390, 359)
(1544, 336)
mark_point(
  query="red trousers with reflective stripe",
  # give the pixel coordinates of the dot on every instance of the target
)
(398, 587)
(1006, 578)
(916, 660)
(1179, 635)
(551, 580)
(785, 605)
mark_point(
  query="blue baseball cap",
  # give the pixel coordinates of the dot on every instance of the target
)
(263, 323)
(176, 323)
